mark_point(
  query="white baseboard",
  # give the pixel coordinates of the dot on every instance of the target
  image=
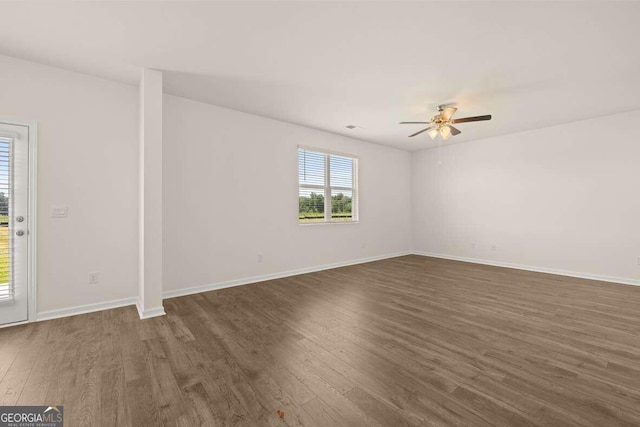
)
(159, 311)
(83, 309)
(559, 272)
(8, 325)
(150, 312)
(256, 279)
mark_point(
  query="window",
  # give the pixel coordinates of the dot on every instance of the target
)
(327, 187)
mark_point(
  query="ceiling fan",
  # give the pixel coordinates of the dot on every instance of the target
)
(441, 123)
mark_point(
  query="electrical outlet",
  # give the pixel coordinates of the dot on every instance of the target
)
(259, 257)
(638, 260)
(494, 248)
(364, 245)
(473, 246)
(58, 211)
(94, 277)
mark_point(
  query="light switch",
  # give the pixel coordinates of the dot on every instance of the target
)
(58, 212)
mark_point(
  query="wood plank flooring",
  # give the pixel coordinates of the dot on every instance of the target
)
(405, 341)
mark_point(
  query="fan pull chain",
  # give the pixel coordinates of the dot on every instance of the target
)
(439, 152)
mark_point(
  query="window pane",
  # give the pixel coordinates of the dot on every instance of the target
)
(341, 205)
(314, 184)
(5, 239)
(341, 171)
(310, 167)
(310, 205)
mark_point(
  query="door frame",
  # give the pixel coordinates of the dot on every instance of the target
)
(32, 274)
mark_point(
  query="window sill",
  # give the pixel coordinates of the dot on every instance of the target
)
(306, 224)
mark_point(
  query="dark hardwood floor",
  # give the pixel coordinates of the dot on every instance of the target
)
(404, 341)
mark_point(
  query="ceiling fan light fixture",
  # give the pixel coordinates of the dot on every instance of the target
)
(445, 132)
(442, 124)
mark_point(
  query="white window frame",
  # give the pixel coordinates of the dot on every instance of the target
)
(326, 188)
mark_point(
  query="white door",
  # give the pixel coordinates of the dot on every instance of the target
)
(14, 223)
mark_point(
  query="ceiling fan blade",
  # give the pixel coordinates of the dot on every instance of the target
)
(419, 132)
(455, 131)
(447, 112)
(414, 123)
(472, 119)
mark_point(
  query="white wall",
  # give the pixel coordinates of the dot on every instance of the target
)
(564, 197)
(230, 192)
(87, 160)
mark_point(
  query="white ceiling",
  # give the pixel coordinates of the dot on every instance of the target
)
(372, 64)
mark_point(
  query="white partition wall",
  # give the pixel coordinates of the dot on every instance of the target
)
(150, 201)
